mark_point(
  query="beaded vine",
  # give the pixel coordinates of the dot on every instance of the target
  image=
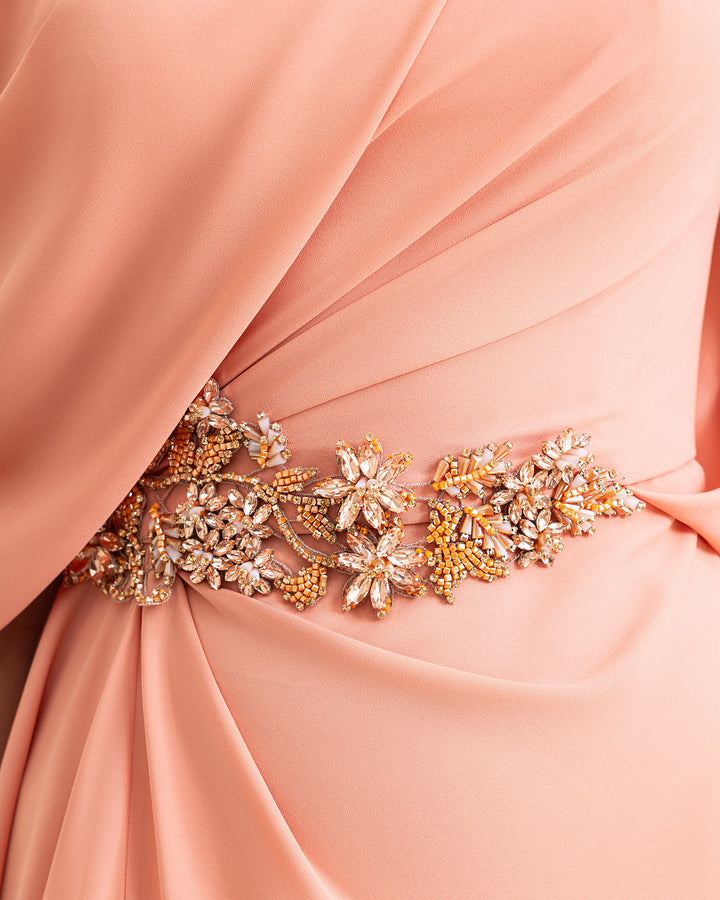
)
(483, 515)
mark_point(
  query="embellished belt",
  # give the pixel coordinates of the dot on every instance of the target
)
(483, 515)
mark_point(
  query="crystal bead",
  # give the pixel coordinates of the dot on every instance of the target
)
(368, 457)
(347, 462)
(380, 595)
(349, 511)
(356, 590)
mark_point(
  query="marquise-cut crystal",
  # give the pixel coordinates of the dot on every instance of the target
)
(373, 512)
(393, 466)
(368, 457)
(380, 595)
(356, 590)
(406, 557)
(216, 536)
(389, 541)
(347, 462)
(390, 498)
(334, 488)
(350, 561)
(408, 582)
(361, 545)
(349, 511)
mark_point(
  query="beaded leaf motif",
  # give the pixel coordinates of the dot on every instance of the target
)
(483, 516)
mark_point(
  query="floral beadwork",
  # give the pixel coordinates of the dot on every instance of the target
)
(482, 516)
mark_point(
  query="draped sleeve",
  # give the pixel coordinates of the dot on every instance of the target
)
(158, 176)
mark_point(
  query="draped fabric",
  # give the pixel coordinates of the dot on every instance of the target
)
(443, 222)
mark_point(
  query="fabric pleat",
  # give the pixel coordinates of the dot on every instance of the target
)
(442, 222)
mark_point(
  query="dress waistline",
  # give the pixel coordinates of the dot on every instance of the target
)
(483, 515)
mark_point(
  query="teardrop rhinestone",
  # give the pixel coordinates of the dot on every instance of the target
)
(351, 561)
(373, 512)
(349, 511)
(390, 540)
(334, 488)
(393, 466)
(380, 596)
(408, 582)
(347, 461)
(250, 503)
(206, 493)
(361, 545)
(356, 590)
(390, 498)
(368, 456)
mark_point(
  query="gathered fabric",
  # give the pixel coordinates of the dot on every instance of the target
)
(440, 223)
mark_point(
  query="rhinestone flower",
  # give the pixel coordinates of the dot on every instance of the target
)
(218, 533)
(243, 519)
(194, 515)
(251, 570)
(205, 561)
(523, 493)
(379, 568)
(366, 484)
(210, 410)
(539, 540)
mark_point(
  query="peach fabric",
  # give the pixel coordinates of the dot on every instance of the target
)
(447, 222)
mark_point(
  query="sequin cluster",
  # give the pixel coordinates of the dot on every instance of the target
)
(483, 515)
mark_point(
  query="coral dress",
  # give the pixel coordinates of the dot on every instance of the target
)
(445, 223)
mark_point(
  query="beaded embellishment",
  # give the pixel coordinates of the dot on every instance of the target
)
(483, 515)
